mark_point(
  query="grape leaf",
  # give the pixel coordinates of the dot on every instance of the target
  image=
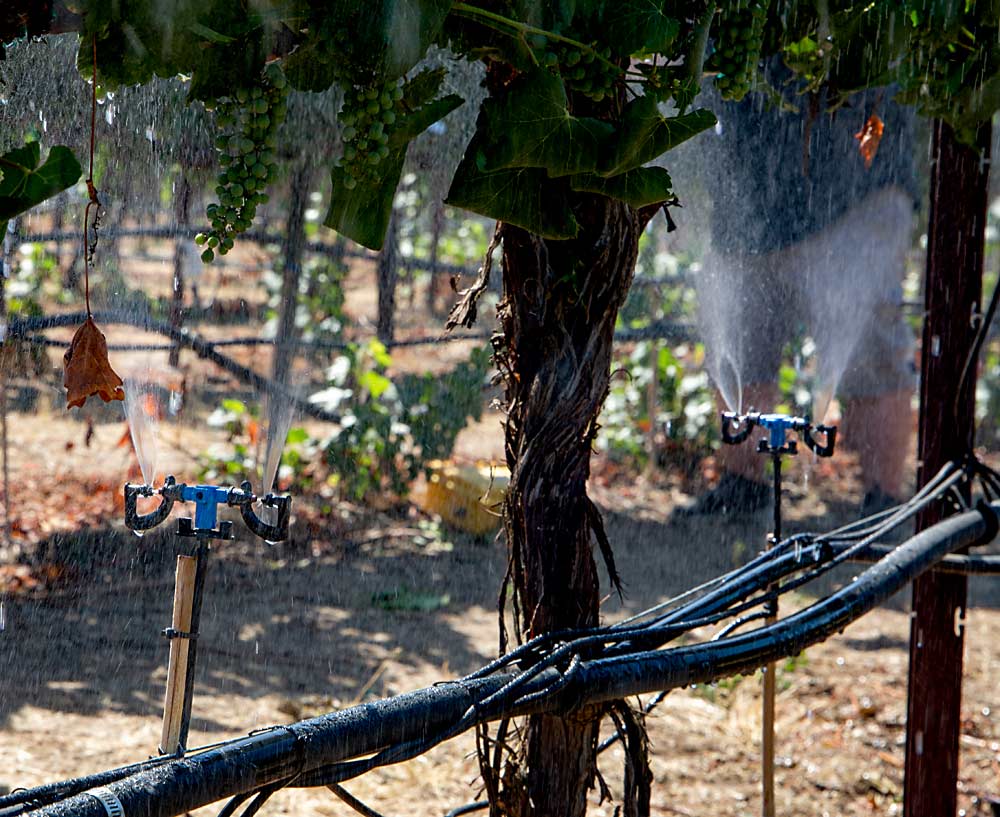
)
(389, 37)
(525, 196)
(531, 127)
(313, 66)
(223, 67)
(413, 124)
(643, 135)
(639, 26)
(362, 214)
(23, 184)
(638, 187)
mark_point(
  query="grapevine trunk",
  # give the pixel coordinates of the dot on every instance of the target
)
(560, 302)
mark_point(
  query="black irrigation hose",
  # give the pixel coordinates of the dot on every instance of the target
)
(505, 697)
(662, 669)
(404, 726)
(956, 563)
(469, 808)
(361, 808)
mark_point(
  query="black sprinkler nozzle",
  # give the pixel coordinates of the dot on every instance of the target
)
(282, 503)
(147, 521)
(830, 435)
(743, 424)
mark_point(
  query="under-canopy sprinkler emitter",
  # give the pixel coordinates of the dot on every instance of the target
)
(207, 499)
(737, 427)
(820, 439)
(189, 579)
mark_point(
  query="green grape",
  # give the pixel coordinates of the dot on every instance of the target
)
(738, 42)
(247, 124)
(369, 115)
(584, 73)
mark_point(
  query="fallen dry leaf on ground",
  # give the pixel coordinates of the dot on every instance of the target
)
(87, 370)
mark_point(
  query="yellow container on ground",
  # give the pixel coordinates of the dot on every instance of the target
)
(466, 496)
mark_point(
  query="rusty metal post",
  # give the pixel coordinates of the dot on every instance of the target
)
(953, 292)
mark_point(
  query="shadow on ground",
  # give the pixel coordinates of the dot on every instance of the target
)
(282, 621)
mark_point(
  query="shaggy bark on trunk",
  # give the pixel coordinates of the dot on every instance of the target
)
(560, 303)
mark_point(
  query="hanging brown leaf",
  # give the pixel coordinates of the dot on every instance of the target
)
(869, 138)
(86, 368)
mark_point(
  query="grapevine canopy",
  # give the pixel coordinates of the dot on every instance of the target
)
(584, 96)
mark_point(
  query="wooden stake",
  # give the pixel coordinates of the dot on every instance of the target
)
(767, 739)
(173, 701)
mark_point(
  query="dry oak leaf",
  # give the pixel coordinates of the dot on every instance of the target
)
(86, 368)
(869, 138)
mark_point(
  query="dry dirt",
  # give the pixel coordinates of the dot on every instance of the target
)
(305, 628)
(332, 619)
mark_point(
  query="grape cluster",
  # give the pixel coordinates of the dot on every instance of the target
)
(369, 114)
(737, 49)
(247, 123)
(588, 71)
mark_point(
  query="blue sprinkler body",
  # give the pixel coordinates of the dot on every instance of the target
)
(778, 425)
(206, 499)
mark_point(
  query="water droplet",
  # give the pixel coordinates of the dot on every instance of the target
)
(269, 542)
(139, 533)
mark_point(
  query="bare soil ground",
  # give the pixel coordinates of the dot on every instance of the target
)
(366, 603)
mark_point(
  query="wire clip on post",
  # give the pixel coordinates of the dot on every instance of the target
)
(737, 427)
(207, 499)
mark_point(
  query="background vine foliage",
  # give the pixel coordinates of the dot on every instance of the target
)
(584, 97)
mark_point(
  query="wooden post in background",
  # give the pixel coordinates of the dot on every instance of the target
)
(387, 270)
(953, 292)
(182, 209)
